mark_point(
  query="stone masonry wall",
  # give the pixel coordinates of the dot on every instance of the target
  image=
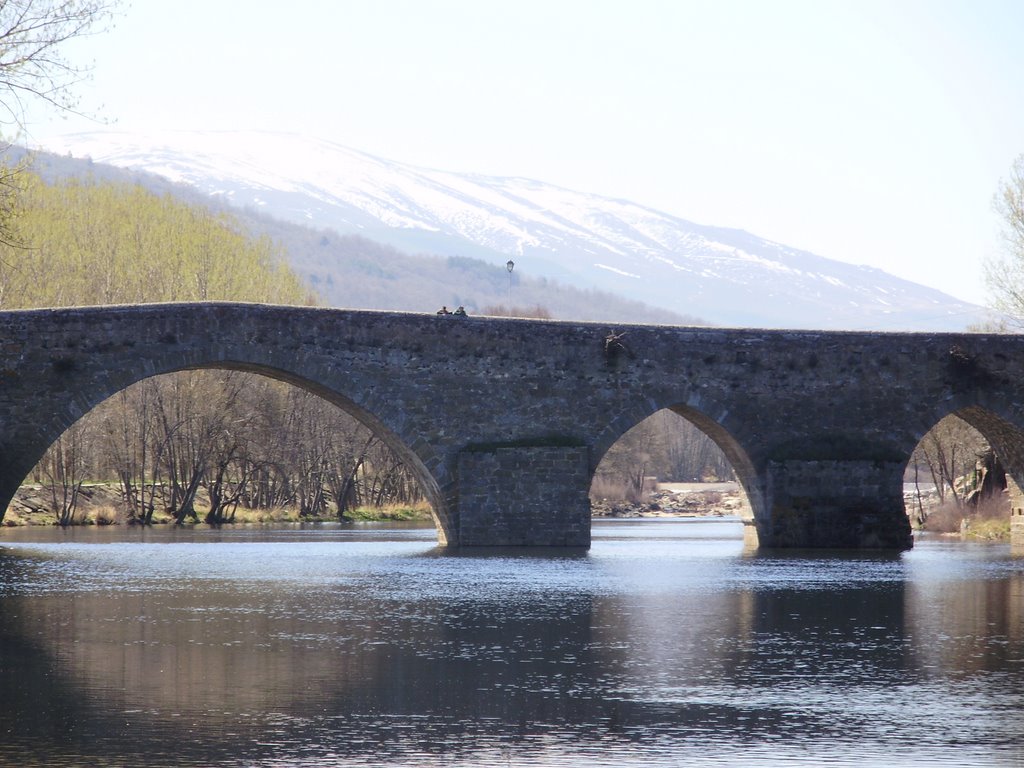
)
(524, 496)
(850, 504)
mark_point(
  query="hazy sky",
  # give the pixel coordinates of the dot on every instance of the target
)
(870, 132)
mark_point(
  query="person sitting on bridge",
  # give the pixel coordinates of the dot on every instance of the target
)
(443, 310)
(461, 311)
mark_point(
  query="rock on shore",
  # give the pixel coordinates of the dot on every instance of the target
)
(669, 503)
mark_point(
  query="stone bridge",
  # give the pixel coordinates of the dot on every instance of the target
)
(504, 421)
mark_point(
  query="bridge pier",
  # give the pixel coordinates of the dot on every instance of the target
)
(850, 504)
(1013, 489)
(8, 488)
(523, 496)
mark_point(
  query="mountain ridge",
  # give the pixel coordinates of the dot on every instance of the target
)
(727, 276)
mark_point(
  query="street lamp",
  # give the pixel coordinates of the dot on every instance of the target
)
(510, 265)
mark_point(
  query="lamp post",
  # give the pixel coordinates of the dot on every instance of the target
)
(510, 265)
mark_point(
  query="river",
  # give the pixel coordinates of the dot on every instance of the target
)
(666, 644)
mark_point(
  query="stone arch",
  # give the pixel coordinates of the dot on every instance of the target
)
(978, 408)
(710, 418)
(385, 421)
(998, 421)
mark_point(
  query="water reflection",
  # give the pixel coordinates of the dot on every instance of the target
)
(663, 645)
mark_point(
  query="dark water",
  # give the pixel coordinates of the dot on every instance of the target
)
(666, 644)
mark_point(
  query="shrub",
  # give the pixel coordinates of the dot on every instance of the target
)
(945, 518)
(106, 516)
(615, 489)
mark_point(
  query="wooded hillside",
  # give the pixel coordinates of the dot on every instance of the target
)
(77, 243)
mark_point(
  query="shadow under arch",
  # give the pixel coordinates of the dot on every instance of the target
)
(712, 421)
(382, 423)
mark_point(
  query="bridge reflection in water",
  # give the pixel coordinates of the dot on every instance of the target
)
(504, 421)
(663, 645)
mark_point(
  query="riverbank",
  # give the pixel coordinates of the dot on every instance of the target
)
(678, 500)
(100, 504)
(987, 522)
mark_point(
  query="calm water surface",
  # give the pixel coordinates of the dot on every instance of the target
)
(666, 644)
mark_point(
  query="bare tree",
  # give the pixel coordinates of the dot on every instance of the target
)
(33, 36)
(1005, 274)
(64, 467)
(33, 67)
(131, 451)
(950, 453)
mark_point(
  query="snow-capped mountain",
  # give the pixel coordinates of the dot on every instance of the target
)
(726, 276)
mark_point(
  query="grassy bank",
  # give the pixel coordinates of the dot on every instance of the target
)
(419, 512)
(100, 505)
(988, 522)
(988, 530)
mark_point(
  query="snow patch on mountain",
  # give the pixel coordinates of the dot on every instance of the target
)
(724, 275)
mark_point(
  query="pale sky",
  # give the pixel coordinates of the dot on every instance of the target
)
(873, 132)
